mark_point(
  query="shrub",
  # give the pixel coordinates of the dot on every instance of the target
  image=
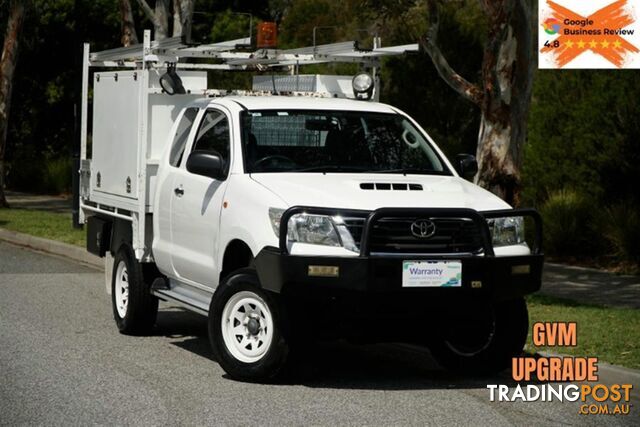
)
(622, 229)
(42, 174)
(568, 225)
(58, 175)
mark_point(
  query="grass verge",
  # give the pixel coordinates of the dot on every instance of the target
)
(48, 225)
(611, 334)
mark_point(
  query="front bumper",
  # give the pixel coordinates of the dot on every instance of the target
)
(494, 278)
(368, 288)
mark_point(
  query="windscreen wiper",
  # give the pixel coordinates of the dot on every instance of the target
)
(404, 171)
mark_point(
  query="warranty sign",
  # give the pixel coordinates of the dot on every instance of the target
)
(589, 34)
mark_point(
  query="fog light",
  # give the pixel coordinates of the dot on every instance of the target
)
(520, 269)
(324, 271)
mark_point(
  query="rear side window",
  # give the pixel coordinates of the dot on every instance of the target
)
(180, 138)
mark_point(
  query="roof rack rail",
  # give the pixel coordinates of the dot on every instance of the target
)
(233, 54)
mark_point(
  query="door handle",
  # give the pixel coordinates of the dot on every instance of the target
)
(179, 191)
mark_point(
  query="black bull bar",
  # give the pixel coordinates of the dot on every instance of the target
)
(479, 218)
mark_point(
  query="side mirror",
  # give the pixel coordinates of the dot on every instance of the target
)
(466, 165)
(206, 163)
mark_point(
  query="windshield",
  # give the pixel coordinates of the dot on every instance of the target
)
(335, 141)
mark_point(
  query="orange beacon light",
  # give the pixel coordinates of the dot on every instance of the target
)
(267, 35)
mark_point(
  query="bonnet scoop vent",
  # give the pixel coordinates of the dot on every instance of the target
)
(390, 186)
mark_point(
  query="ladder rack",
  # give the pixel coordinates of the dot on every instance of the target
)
(233, 54)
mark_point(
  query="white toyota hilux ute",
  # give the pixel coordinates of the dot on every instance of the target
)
(294, 219)
(296, 211)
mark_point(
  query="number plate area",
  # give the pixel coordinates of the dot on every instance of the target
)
(431, 274)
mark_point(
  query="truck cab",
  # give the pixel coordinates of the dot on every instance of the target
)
(289, 219)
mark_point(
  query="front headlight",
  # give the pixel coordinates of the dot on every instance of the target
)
(507, 231)
(314, 229)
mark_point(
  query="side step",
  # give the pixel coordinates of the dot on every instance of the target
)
(189, 297)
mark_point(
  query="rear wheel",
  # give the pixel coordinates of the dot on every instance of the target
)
(134, 308)
(486, 340)
(246, 329)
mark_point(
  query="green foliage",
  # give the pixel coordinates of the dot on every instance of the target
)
(462, 23)
(58, 175)
(568, 220)
(336, 21)
(228, 25)
(583, 134)
(412, 83)
(622, 228)
(46, 86)
(46, 174)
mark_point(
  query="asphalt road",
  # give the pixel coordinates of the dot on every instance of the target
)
(63, 361)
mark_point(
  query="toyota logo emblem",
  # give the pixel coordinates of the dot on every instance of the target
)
(423, 228)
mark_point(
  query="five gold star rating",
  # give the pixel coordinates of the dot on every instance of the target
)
(581, 44)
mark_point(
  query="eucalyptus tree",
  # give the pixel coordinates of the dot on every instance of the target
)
(179, 12)
(503, 93)
(7, 67)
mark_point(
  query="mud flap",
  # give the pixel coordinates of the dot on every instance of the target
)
(108, 271)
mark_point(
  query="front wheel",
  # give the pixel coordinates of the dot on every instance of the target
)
(246, 327)
(485, 340)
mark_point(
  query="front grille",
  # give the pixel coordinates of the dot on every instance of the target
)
(393, 235)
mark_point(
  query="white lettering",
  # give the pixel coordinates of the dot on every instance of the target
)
(533, 393)
(492, 389)
(518, 394)
(575, 395)
(502, 393)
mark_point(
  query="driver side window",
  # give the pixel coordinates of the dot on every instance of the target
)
(213, 135)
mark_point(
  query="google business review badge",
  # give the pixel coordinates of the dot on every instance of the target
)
(588, 34)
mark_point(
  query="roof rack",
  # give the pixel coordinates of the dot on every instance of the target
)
(233, 54)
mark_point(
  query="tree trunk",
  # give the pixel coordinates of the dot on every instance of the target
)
(7, 67)
(159, 17)
(186, 15)
(504, 94)
(177, 18)
(507, 81)
(128, 25)
(183, 18)
(162, 19)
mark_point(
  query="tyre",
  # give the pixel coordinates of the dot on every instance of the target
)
(134, 308)
(486, 340)
(247, 329)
